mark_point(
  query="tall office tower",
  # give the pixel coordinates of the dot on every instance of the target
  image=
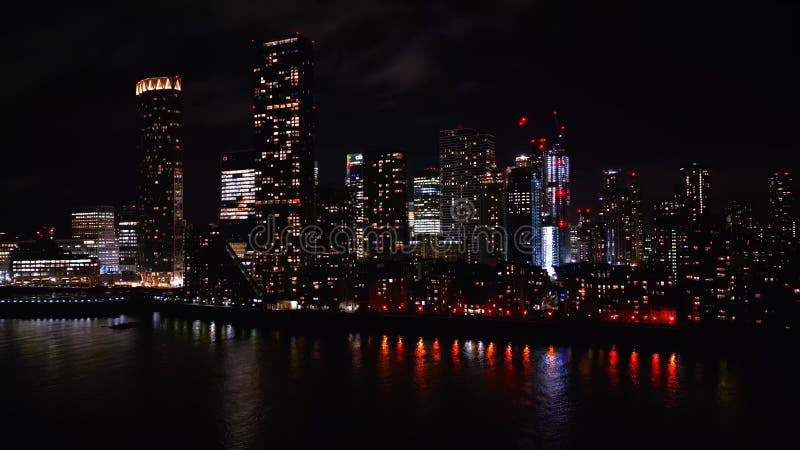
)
(537, 239)
(355, 187)
(161, 222)
(426, 193)
(127, 238)
(96, 227)
(743, 252)
(695, 189)
(238, 190)
(621, 213)
(387, 195)
(669, 235)
(782, 227)
(741, 233)
(555, 182)
(465, 156)
(518, 203)
(489, 235)
(283, 119)
(584, 248)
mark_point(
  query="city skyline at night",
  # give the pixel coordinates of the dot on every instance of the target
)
(372, 224)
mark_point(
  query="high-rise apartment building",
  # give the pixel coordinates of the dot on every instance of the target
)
(283, 120)
(161, 221)
(387, 205)
(695, 189)
(621, 215)
(465, 156)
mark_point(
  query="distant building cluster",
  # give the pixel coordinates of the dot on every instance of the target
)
(469, 237)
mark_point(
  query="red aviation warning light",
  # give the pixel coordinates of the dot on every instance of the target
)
(541, 147)
(562, 224)
(561, 194)
(633, 173)
(522, 121)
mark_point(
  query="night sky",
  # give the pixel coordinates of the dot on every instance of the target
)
(639, 86)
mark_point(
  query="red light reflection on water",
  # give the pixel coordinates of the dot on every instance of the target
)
(633, 367)
(613, 369)
(672, 373)
(655, 370)
(455, 353)
(437, 351)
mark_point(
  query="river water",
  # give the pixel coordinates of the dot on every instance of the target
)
(177, 383)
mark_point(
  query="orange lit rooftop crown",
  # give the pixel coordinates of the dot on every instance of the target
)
(158, 83)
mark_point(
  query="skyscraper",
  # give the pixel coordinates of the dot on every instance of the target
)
(426, 193)
(782, 230)
(669, 235)
(695, 189)
(465, 156)
(556, 186)
(518, 203)
(96, 228)
(283, 119)
(161, 222)
(355, 188)
(426, 203)
(621, 214)
(388, 199)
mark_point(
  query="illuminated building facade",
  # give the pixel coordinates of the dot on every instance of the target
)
(43, 262)
(238, 191)
(489, 236)
(622, 218)
(537, 233)
(127, 238)
(387, 201)
(518, 209)
(695, 189)
(465, 156)
(782, 227)
(355, 185)
(6, 247)
(96, 228)
(426, 226)
(556, 187)
(427, 193)
(587, 238)
(283, 120)
(669, 235)
(161, 220)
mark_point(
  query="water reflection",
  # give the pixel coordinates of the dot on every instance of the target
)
(633, 368)
(244, 388)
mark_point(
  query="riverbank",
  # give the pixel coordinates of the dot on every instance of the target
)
(551, 330)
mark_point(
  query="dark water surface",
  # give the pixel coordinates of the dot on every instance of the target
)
(175, 383)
